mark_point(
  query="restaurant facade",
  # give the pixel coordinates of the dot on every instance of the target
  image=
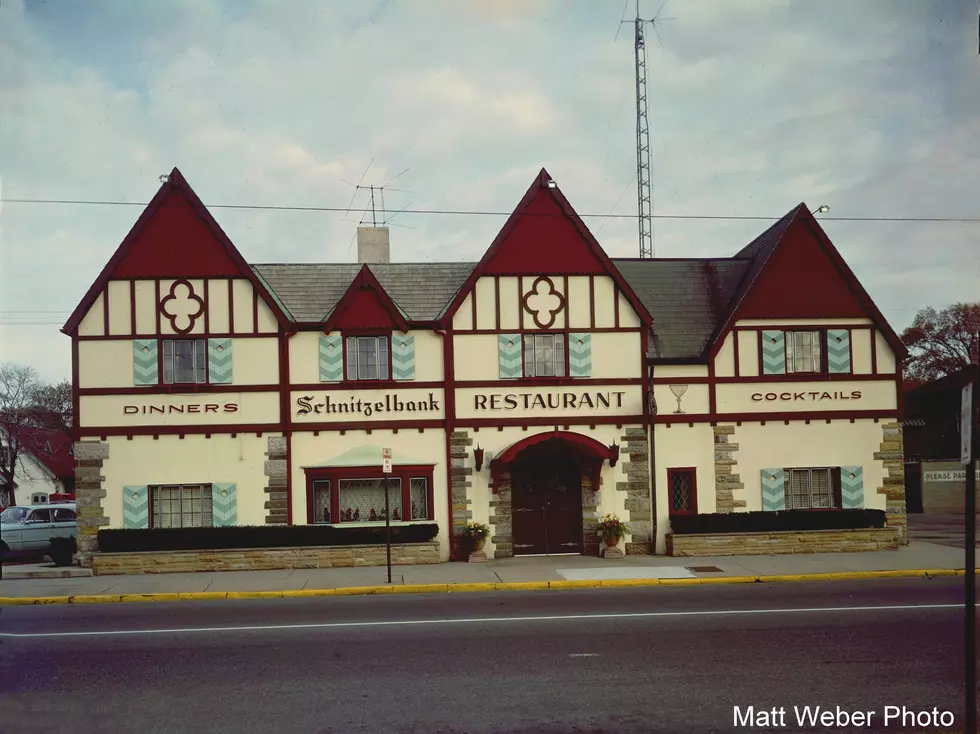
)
(535, 390)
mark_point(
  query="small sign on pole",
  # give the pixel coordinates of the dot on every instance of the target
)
(386, 466)
(386, 469)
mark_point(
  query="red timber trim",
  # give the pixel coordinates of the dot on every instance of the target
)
(797, 377)
(591, 301)
(585, 444)
(802, 415)
(552, 314)
(473, 304)
(568, 321)
(404, 472)
(232, 428)
(735, 349)
(207, 308)
(369, 426)
(647, 371)
(74, 387)
(156, 305)
(551, 382)
(449, 423)
(364, 279)
(874, 350)
(693, 471)
(554, 422)
(289, 479)
(801, 327)
(231, 306)
(105, 309)
(615, 306)
(255, 311)
(541, 185)
(712, 379)
(496, 302)
(368, 385)
(286, 417)
(212, 335)
(132, 307)
(192, 319)
(178, 389)
(175, 180)
(520, 311)
(598, 330)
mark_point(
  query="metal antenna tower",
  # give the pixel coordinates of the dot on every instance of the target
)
(377, 200)
(644, 188)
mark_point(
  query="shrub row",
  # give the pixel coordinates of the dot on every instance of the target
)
(761, 522)
(257, 536)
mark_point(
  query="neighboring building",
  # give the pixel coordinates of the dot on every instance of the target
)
(45, 464)
(522, 390)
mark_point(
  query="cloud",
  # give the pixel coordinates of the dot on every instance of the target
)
(868, 107)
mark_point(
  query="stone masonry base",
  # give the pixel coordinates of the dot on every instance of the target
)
(782, 542)
(255, 559)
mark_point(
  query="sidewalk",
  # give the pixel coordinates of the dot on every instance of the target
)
(523, 573)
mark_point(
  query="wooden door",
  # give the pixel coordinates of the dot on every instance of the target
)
(546, 497)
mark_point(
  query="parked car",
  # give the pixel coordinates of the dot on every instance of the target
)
(29, 529)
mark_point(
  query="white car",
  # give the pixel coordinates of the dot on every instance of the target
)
(29, 528)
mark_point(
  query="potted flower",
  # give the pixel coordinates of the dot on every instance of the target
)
(611, 528)
(475, 534)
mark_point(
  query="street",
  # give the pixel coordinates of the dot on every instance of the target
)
(630, 660)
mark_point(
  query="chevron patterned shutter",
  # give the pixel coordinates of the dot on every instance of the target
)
(224, 504)
(773, 489)
(509, 356)
(403, 357)
(331, 358)
(580, 355)
(839, 350)
(145, 362)
(852, 487)
(773, 353)
(136, 507)
(219, 361)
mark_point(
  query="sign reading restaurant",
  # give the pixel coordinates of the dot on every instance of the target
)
(548, 401)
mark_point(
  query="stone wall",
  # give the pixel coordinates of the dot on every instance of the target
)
(502, 518)
(726, 480)
(637, 488)
(590, 516)
(254, 559)
(892, 457)
(277, 471)
(89, 456)
(773, 543)
(460, 484)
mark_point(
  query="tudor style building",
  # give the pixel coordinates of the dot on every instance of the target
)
(535, 390)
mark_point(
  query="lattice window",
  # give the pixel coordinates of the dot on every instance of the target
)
(185, 361)
(363, 500)
(367, 358)
(181, 506)
(420, 498)
(544, 355)
(809, 489)
(802, 351)
(683, 500)
(321, 500)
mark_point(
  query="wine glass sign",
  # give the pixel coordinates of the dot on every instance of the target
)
(678, 391)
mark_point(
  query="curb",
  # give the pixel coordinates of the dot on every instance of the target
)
(463, 588)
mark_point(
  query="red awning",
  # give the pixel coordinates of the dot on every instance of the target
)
(585, 444)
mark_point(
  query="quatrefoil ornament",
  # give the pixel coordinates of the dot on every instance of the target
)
(543, 302)
(182, 306)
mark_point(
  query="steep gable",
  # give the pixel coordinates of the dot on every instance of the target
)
(176, 236)
(366, 305)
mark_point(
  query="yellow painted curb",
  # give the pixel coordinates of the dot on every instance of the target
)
(474, 587)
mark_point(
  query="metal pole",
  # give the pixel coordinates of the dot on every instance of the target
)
(387, 528)
(970, 628)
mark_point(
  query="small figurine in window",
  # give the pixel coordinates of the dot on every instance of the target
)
(397, 515)
(373, 516)
(357, 513)
(415, 512)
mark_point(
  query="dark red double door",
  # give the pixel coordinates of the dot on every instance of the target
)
(546, 496)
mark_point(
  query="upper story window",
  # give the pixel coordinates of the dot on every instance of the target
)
(544, 355)
(185, 361)
(367, 358)
(803, 351)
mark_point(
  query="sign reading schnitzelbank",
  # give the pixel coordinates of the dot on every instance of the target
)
(366, 405)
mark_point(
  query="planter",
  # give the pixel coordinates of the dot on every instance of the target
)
(611, 541)
(477, 545)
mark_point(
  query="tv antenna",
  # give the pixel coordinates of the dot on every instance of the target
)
(643, 182)
(379, 214)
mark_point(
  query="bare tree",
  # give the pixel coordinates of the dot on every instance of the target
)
(28, 409)
(940, 342)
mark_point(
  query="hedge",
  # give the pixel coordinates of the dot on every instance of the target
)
(257, 536)
(767, 521)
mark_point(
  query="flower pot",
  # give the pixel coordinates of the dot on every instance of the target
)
(610, 540)
(478, 544)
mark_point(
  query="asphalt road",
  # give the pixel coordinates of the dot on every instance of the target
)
(556, 661)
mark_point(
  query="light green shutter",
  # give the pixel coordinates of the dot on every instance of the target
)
(509, 356)
(773, 489)
(145, 362)
(773, 353)
(852, 487)
(136, 507)
(331, 359)
(579, 355)
(839, 350)
(403, 357)
(224, 504)
(219, 361)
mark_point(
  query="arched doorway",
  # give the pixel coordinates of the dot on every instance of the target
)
(546, 496)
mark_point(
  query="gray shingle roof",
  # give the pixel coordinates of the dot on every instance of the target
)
(687, 299)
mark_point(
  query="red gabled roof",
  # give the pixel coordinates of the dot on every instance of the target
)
(796, 272)
(51, 448)
(365, 305)
(544, 236)
(175, 236)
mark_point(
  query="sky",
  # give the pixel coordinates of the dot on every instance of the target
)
(870, 108)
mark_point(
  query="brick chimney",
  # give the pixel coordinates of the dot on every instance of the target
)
(373, 245)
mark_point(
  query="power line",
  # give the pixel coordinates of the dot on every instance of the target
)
(465, 212)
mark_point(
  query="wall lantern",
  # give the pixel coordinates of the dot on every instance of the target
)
(613, 454)
(478, 456)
